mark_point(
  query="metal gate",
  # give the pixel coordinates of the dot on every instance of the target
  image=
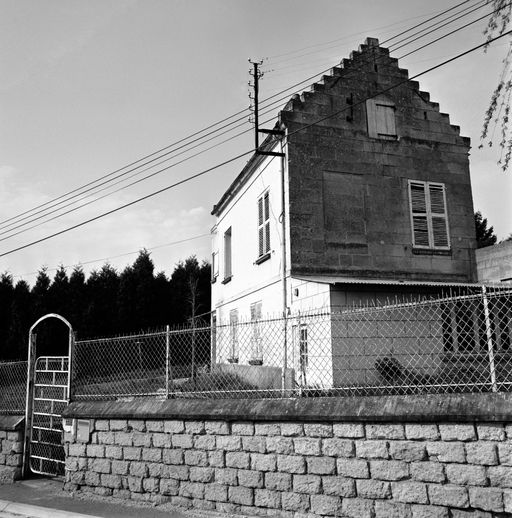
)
(49, 400)
(48, 392)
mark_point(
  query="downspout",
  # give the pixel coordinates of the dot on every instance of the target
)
(283, 272)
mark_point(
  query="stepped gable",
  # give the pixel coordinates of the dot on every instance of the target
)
(339, 96)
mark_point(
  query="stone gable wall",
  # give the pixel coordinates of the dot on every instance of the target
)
(11, 455)
(299, 469)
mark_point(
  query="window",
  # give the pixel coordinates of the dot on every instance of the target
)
(227, 256)
(429, 219)
(233, 329)
(256, 353)
(215, 266)
(263, 226)
(381, 119)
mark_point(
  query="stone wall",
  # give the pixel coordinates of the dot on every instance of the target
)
(11, 448)
(291, 467)
(494, 263)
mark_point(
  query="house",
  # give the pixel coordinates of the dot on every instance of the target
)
(494, 263)
(362, 195)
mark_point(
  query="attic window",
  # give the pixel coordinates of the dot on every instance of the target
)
(380, 116)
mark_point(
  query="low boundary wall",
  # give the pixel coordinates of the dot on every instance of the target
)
(11, 448)
(446, 456)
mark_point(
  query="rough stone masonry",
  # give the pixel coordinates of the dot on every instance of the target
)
(299, 468)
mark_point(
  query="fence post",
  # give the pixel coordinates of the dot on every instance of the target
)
(285, 355)
(489, 340)
(167, 360)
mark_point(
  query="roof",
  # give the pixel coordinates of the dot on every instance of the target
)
(324, 279)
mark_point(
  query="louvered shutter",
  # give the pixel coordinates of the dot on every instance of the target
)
(418, 201)
(267, 223)
(438, 214)
(263, 224)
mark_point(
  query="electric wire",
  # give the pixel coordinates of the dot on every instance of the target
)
(303, 128)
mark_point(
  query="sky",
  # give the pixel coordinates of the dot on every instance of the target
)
(89, 87)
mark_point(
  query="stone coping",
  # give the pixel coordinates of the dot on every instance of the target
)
(421, 408)
(11, 422)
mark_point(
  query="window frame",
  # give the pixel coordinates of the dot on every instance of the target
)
(228, 259)
(429, 215)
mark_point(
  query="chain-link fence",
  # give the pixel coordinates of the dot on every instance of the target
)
(13, 387)
(456, 344)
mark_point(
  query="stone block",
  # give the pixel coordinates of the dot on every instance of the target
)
(291, 464)
(77, 450)
(294, 502)
(353, 468)
(372, 449)
(292, 429)
(267, 429)
(373, 489)
(173, 456)
(159, 440)
(155, 426)
(227, 508)
(507, 501)
(241, 495)
(138, 469)
(321, 465)
(123, 438)
(106, 438)
(307, 484)
(500, 476)
(490, 431)
(226, 476)
(192, 490)
(142, 439)
(357, 508)
(407, 450)
(278, 481)
(427, 471)
(306, 446)
(318, 429)
(174, 426)
(242, 428)
(216, 492)
(443, 452)
(410, 492)
(217, 427)
(101, 425)
(482, 452)
(194, 427)
(457, 432)
(118, 425)
(181, 501)
(229, 442)
(157, 470)
(131, 453)
(422, 432)
(504, 453)
(448, 495)
(385, 431)
(238, 459)
(120, 467)
(199, 474)
(254, 444)
(389, 469)
(103, 491)
(325, 505)
(429, 511)
(338, 447)
(137, 424)
(111, 481)
(250, 478)
(349, 430)
(122, 494)
(184, 441)
(196, 458)
(466, 475)
(216, 459)
(113, 452)
(486, 498)
(267, 498)
(279, 444)
(134, 484)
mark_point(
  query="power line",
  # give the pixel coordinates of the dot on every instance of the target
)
(458, 56)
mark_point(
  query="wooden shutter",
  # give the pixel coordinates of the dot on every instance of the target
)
(227, 254)
(266, 215)
(419, 217)
(385, 120)
(438, 214)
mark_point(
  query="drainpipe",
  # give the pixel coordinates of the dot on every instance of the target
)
(283, 262)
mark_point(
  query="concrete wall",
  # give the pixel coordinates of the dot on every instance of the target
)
(447, 456)
(494, 263)
(11, 448)
(349, 206)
